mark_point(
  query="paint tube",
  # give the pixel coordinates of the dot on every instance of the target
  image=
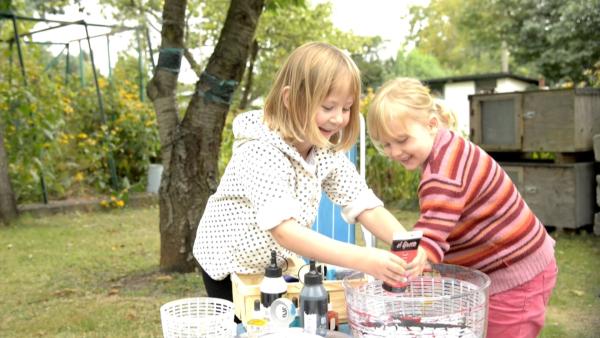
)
(404, 245)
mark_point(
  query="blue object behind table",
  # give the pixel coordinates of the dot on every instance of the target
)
(329, 220)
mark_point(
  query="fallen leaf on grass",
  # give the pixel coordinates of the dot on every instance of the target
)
(64, 292)
(577, 292)
(164, 278)
(131, 314)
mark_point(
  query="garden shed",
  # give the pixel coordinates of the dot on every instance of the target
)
(455, 90)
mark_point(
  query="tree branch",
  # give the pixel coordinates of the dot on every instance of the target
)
(190, 59)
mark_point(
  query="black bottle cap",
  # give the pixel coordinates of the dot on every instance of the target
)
(313, 277)
(394, 289)
(272, 270)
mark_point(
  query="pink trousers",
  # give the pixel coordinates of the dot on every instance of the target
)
(520, 311)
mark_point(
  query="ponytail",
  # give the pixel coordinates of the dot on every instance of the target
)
(446, 116)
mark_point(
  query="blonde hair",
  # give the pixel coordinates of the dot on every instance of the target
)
(312, 72)
(403, 98)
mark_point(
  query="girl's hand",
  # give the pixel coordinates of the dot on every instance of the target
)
(384, 265)
(418, 264)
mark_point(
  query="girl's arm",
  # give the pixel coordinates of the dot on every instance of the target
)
(305, 242)
(381, 223)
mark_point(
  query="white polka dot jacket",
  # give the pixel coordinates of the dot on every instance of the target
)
(265, 183)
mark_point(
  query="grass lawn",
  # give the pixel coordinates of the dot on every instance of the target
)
(96, 275)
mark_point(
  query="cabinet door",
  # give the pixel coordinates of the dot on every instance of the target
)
(496, 121)
(559, 195)
(550, 192)
(549, 121)
(515, 172)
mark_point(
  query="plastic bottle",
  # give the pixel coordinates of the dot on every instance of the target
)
(333, 317)
(257, 325)
(272, 286)
(313, 303)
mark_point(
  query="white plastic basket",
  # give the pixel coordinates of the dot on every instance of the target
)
(202, 317)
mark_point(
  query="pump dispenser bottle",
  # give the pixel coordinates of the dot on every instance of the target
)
(313, 303)
(272, 286)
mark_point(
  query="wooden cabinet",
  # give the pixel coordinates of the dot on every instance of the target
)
(560, 195)
(562, 120)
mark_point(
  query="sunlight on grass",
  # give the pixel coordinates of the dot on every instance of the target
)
(575, 303)
(86, 275)
(96, 275)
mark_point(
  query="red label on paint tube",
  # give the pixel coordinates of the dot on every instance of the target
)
(405, 246)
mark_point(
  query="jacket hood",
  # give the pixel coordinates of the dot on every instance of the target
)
(250, 126)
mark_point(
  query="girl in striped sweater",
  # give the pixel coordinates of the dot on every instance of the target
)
(471, 213)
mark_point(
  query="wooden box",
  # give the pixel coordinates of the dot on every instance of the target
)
(562, 120)
(561, 195)
(246, 288)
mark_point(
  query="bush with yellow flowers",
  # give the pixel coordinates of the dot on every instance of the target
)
(115, 201)
(58, 139)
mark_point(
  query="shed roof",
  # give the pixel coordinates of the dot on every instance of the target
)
(489, 76)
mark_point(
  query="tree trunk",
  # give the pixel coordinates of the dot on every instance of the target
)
(249, 76)
(8, 205)
(190, 146)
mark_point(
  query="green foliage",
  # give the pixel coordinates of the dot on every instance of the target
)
(274, 5)
(280, 32)
(418, 64)
(390, 181)
(5, 5)
(57, 132)
(439, 29)
(136, 9)
(555, 38)
(560, 38)
(373, 71)
(40, 7)
(593, 75)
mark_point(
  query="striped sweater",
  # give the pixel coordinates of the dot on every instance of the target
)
(472, 215)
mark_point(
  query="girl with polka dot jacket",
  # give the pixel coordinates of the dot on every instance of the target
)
(283, 158)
